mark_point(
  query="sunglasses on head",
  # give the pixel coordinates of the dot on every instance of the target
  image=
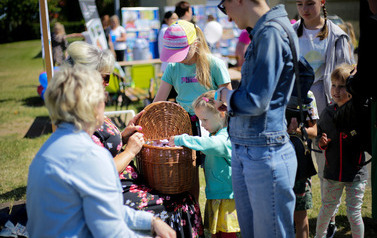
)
(221, 7)
(106, 78)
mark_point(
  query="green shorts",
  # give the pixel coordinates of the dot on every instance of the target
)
(303, 192)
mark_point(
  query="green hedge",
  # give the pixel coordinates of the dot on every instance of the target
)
(31, 31)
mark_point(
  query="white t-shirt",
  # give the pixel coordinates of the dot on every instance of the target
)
(118, 45)
(314, 51)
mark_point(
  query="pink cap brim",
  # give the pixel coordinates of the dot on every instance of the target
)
(174, 56)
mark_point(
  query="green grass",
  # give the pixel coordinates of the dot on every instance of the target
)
(20, 66)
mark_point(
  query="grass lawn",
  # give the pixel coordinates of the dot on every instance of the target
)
(20, 66)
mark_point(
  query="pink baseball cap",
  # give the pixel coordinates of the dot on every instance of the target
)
(177, 40)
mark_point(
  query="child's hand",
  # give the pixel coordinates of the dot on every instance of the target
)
(131, 128)
(292, 128)
(171, 141)
(324, 141)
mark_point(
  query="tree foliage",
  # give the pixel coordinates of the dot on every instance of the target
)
(19, 19)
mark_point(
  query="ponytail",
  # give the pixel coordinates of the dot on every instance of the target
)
(324, 31)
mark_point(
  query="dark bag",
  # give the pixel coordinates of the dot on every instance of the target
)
(305, 166)
(304, 79)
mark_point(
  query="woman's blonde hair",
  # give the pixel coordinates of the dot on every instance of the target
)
(207, 101)
(115, 19)
(73, 95)
(341, 73)
(203, 69)
(90, 56)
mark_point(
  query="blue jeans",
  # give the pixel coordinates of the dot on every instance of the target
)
(263, 179)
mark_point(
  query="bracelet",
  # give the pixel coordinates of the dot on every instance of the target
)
(218, 94)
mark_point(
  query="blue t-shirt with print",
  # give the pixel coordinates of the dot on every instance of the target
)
(183, 78)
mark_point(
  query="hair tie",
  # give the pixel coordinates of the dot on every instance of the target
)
(205, 99)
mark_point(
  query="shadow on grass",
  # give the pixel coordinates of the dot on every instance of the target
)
(36, 101)
(39, 55)
(344, 229)
(15, 194)
(41, 126)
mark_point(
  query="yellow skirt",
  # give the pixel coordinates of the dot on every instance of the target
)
(221, 215)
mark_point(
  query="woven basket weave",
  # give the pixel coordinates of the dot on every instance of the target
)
(169, 170)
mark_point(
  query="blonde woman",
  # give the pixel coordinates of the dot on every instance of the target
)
(180, 210)
(73, 187)
(58, 43)
(82, 53)
(117, 38)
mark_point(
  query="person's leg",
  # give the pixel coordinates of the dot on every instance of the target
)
(241, 194)
(332, 192)
(283, 167)
(304, 202)
(269, 177)
(320, 159)
(119, 55)
(354, 200)
(302, 224)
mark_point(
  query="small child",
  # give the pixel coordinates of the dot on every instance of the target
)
(220, 213)
(344, 165)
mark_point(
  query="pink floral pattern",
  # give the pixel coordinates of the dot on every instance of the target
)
(180, 211)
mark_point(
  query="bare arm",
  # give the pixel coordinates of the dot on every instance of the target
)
(135, 143)
(226, 85)
(163, 92)
(311, 129)
(122, 37)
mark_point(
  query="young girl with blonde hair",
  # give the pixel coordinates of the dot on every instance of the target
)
(58, 43)
(192, 70)
(220, 213)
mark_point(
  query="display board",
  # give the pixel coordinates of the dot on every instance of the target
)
(230, 31)
(141, 23)
(93, 23)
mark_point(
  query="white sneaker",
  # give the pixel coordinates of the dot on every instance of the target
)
(9, 230)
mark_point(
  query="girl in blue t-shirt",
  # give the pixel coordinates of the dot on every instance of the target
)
(192, 70)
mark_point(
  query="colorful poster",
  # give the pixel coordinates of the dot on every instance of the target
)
(96, 33)
(141, 23)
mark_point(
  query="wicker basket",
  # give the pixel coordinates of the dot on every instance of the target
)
(169, 170)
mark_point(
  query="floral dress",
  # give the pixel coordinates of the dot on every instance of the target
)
(180, 211)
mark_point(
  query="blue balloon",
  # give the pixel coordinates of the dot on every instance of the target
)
(43, 79)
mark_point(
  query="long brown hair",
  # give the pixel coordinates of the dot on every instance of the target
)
(323, 33)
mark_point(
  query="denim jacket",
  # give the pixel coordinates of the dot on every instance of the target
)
(257, 107)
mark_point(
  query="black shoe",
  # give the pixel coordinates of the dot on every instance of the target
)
(331, 229)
